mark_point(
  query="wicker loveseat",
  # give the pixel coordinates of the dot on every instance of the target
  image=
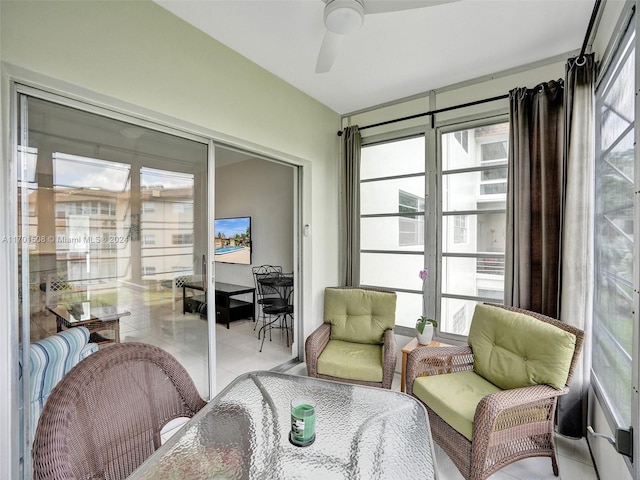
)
(493, 402)
(356, 343)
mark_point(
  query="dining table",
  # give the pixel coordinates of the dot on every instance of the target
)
(245, 431)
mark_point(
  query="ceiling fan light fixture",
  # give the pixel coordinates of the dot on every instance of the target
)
(343, 16)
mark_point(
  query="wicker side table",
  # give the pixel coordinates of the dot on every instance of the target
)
(408, 348)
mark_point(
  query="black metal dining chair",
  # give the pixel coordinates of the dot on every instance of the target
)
(265, 295)
(281, 307)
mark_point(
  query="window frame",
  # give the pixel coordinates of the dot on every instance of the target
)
(432, 293)
(469, 123)
(379, 140)
(627, 26)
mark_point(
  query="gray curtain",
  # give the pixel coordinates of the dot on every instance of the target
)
(350, 218)
(576, 280)
(536, 146)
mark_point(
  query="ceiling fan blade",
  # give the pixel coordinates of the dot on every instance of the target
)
(384, 6)
(328, 51)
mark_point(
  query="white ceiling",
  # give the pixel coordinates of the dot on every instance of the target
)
(393, 55)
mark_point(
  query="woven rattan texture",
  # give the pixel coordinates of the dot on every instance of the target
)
(509, 425)
(104, 417)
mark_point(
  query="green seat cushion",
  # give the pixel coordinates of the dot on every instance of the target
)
(454, 397)
(359, 316)
(355, 361)
(513, 350)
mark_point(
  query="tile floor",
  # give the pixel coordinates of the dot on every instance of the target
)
(185, 337)
(237, 352)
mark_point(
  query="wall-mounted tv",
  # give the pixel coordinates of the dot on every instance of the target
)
(232, 240)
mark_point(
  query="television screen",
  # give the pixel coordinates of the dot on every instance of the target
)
(232, 240)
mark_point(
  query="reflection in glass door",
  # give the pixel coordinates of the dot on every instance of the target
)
(110, 215)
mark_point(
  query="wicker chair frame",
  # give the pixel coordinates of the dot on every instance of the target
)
(104, 417)
(509, 425)
(318, 340)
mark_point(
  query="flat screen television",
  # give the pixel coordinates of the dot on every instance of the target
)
(232, 240)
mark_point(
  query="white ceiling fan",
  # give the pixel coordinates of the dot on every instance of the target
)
(343, 17)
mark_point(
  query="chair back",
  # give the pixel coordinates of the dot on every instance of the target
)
(264, 290)
(549, 355)
(103, 419)
(359, 314)
(54, 285)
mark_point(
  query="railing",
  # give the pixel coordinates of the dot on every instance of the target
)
(490, 265)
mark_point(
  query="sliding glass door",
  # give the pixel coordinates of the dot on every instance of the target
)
(110, 213)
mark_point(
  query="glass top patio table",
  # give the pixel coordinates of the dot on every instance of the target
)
(243, 433)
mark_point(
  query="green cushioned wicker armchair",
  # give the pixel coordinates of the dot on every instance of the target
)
(493, 402)
(356, 343)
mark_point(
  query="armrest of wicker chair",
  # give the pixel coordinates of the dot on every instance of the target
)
(519, 404)
(505, 416)
(389, 358)
(435, 361)
(314, 346)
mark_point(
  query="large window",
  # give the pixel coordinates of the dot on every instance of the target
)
(473, 193)
(615, 279)
(392, 222)
(472, 189)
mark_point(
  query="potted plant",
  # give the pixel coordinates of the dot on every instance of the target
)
(424, 329)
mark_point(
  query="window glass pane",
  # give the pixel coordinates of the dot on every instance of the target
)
(460, 191)
(73, 171)
(485, 233)
(392, 196)
(168, 189)
(392, 233)
(408, 308)
(473, 241)
(396, 271)
(473, 277)
(487, 144)
(614, 239)
(391, 270)
(456, 315)
(495, 152)
(392, 220)
(617, 107)
(394, 158)
(467, 191)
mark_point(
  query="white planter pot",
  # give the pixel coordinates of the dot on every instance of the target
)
(426, 336)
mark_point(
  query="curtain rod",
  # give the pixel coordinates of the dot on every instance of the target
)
(587, 35)
(433, 112)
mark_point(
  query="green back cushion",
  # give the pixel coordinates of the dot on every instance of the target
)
(514, 350)
(359, 316)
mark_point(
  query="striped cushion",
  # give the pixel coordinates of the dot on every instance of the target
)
(51, 358)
